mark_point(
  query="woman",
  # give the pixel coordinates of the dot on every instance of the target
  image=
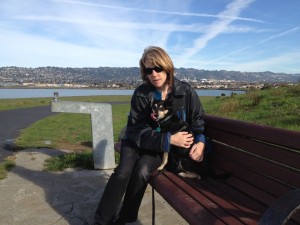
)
(143, 144)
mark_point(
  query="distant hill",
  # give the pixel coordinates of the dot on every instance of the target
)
(132, 75)
(257, 77)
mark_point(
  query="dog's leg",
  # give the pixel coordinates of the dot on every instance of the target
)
(164, 161)
(185, 173)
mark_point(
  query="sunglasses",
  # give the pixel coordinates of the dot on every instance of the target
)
(157, 69)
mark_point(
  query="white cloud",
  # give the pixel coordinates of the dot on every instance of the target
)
(34, 51)
(227, 16)
(289, 60)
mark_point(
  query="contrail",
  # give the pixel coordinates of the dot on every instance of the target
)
(226, 18)
(258, 43)
(159, 11)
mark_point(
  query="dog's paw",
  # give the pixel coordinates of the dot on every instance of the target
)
(189, 175)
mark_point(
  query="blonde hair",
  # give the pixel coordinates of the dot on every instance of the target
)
(157, 57)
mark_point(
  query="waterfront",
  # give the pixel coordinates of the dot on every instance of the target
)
(39, 93)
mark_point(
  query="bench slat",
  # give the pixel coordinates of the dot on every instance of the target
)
(220, 209)
(277, 136)
(181, 201)
(217, 205)
(232, 206)
(242, 201)
(262, 149)
(260, 165)
(252, 178)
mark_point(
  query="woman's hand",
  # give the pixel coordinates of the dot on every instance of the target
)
(197, 152)
(182, 139)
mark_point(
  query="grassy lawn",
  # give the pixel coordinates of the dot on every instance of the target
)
(276, 107)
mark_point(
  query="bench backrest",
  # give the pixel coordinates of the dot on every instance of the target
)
(264, 162)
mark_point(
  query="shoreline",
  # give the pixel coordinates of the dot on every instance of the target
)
(114, 89)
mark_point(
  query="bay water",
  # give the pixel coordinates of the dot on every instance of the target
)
(10, 93)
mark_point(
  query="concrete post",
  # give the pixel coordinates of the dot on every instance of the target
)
(102, 128)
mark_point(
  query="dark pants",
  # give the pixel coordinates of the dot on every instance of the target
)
(130, 177)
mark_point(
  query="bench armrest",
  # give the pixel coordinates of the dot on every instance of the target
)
(282, 210)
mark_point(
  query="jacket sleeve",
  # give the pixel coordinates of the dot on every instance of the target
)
(141, 130)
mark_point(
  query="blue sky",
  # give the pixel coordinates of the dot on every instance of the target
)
(241, 35)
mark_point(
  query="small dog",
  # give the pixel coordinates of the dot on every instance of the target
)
(182, 164)
(169, 122)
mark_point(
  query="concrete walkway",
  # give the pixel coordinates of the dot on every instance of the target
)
(12, 121)
(32, 196)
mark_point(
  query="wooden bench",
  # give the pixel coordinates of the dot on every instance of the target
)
(264, 185)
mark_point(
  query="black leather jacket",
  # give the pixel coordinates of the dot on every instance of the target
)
(141, 129)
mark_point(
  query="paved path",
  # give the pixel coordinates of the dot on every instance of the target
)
(12, 121)
(32, 196)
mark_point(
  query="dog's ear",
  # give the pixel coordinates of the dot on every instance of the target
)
(156, 104)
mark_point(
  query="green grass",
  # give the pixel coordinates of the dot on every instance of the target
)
(6, 166)
(60, 130)
(70, 160)
(276, 107)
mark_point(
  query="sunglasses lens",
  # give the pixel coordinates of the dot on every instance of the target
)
(158, 69)
(148, 71)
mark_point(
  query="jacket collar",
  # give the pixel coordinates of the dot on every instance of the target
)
(178, 88)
